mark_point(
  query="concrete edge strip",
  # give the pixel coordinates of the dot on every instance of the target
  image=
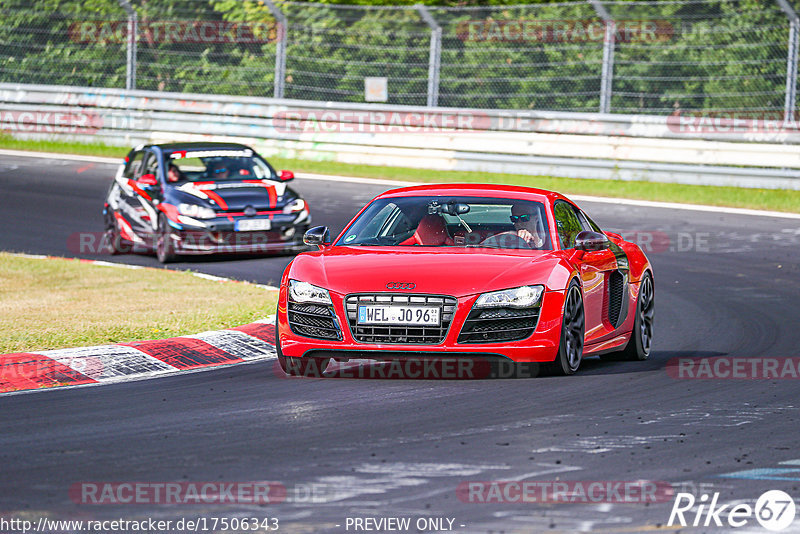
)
(400, 183)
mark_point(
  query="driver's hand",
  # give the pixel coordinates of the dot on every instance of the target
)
(531, 239)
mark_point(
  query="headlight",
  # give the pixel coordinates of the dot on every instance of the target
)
(298, 205)
(198, 212)
(519, 297)
(305, 292)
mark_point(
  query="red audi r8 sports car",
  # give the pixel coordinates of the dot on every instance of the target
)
(491, 271)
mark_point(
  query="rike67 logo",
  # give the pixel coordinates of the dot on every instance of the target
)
(774, 510)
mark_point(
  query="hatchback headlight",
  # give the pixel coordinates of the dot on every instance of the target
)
(295, 206)
(305, 292)
(195, 211)
(519, 297)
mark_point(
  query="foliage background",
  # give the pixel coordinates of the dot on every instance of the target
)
(721, 54)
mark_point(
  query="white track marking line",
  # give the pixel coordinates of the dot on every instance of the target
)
(118, 265)
(211, 277)
(688, 207)
(358, 179)
(399, 183)
(215, 278)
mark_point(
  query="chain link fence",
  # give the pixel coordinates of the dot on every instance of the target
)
(644, 57)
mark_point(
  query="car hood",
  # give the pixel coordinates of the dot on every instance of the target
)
(237, 195)
(450, 271)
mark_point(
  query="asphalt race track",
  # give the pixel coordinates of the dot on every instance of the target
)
(726, 285)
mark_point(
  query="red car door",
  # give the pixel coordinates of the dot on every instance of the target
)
(595, 269)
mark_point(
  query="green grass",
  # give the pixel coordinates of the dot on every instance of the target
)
(64, 147)
(764, 199)
(59, 303)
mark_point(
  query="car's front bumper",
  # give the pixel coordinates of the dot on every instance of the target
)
(220, 235)
(205, 242)
(541, 346)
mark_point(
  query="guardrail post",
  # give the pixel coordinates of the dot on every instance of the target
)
(791, 61)
(607, 75)
(133, 30)
(435, 56)
(280, 51)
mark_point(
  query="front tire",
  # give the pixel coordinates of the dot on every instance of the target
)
(638, 348)
(113, 239)
(573, 324)
(165, 248)
(309, 367)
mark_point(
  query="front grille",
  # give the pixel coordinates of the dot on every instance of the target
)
(616, 285)
(313, 320)
(428, 335)
(494, 325)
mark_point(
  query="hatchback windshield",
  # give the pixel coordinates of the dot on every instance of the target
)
(216, 165)
(451, 222)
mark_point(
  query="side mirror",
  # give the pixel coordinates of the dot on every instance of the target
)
(148, 180)
(590, 241)
(319, 236)
(285, 176)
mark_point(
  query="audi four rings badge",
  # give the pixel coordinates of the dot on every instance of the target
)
(401, 285)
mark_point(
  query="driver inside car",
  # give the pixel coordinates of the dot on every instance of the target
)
(220, 171)
(173, 173)
(527, 225)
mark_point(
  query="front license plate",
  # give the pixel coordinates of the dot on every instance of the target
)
(251, 225)
(399, 315)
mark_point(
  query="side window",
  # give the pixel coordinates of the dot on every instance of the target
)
(396, 223)
(134, 165)
(150, 165)
(587, 223)
(567, 224)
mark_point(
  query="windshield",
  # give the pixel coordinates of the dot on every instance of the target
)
(451, 222)
(216, 165)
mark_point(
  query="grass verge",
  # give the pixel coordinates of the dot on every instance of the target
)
(763, 199)
(58, 303)
(63, 147)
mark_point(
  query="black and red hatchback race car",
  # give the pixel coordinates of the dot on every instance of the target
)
(202, 198)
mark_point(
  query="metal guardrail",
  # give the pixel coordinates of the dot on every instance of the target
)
(579, 145)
